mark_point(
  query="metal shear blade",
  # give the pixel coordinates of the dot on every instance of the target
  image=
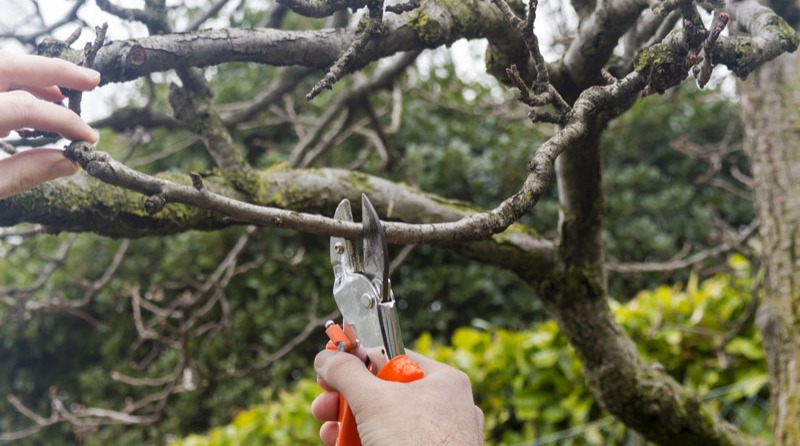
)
(376, 263)
(361, 288)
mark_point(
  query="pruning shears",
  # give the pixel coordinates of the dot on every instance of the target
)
(363, 293)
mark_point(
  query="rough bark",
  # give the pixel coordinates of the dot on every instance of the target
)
(597, 37)
(434, 24)
(770, 113)
(640, 395)
(637, 393)
(83, 204)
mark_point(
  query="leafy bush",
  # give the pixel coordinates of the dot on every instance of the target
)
(284, 420)
(529, 383)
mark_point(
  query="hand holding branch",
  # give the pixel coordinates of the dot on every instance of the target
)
(29, 97)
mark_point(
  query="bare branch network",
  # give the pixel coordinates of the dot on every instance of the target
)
(581, 93)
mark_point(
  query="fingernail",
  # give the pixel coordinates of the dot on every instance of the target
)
(321, 359)
(64, 167)
(96, 136)
(92, 74)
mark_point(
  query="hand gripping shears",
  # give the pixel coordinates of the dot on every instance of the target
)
(363, 293)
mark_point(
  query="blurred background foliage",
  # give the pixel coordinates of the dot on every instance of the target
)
(529, 382)
(465, 140)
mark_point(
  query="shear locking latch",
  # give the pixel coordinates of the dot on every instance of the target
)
(342, 339)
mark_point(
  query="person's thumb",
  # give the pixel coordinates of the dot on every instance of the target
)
(346, 374)
(30, 168)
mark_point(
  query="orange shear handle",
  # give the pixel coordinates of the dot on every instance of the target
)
(399, 369)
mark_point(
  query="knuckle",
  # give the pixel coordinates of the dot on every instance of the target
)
(16, 182)
(22, 104)
(481, 417)
(6, 63)
(461, 380)
(329, 362)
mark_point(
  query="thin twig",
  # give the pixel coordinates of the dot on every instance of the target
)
(684, 262)
(346, 63)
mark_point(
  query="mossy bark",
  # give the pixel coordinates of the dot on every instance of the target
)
(84, 204)
(770, 105)
(638, 394)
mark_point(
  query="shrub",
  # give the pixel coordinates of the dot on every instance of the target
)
(529, 383)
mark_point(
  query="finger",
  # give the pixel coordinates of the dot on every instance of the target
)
(20, 109)
(323, 384)
(325, 406)
(429, 366)
(442, 373)
(346, 373)
(23, 71)
(50, 94)
(481, 419)
(28, 169)
(328, 432)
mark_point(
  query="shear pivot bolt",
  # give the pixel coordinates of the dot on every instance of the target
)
(339, 248)
(367, 300)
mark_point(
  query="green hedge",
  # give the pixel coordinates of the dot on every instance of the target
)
(529, 383)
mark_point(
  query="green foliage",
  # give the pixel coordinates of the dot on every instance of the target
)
(656, 201)
(266, 308)
(283, 421)
(529, 383)
(455, 152)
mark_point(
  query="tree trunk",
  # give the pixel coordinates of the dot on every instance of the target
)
(639, 394)
(770, 104)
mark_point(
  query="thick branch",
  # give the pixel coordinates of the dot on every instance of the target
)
(83, 204)
(639, 394)
(770, 37)
(321, 8)
(193, 105)
(582, 203)
(666, 63)
(432, 25)
(596, 39)
(479, 226)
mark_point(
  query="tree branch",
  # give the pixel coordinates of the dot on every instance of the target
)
(685, 261)
(321, 8)
(70, 16)
(443, 23)
(347, 62)
(476, 227)
(82, 204)
(154, 18)
(770, 36)
(597, 36)
(193, 105)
